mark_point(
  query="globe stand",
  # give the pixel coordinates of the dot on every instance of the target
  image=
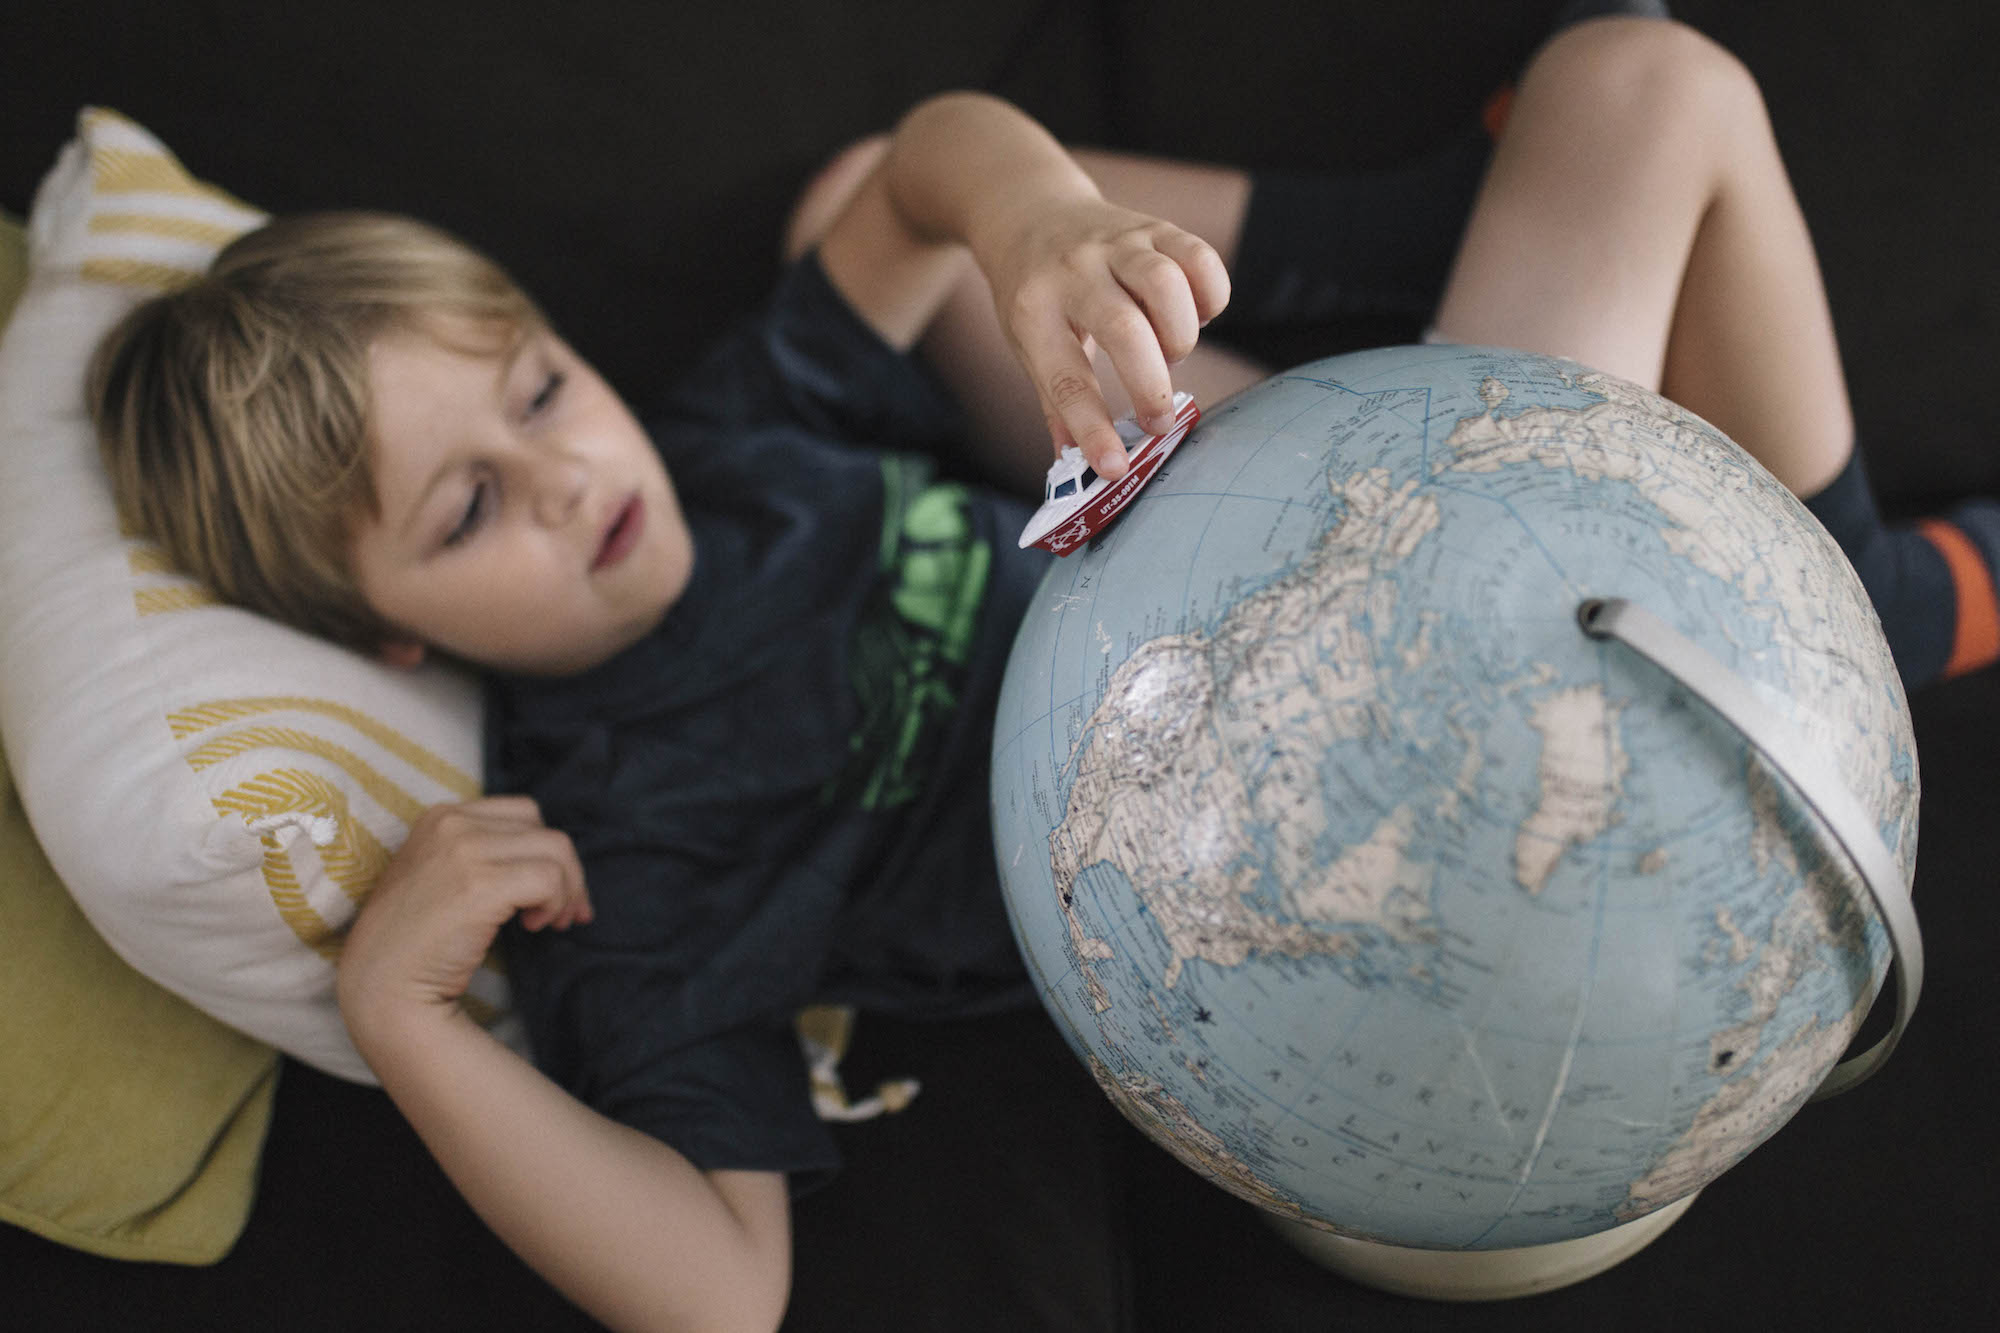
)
(1477, 1275)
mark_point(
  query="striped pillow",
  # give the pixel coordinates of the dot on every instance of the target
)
(217, 791)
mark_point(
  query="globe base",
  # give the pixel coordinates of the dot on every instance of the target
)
(1477, 1275)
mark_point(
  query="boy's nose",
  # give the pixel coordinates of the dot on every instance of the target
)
(560, 483)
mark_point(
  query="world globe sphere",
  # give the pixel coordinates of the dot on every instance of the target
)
(1375, 889)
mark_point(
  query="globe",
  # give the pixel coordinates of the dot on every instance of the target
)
(1376, 890)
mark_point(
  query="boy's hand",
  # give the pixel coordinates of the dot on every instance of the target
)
(1088, 273)
(432, 916)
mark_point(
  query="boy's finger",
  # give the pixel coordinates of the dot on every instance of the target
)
(1126, 333)
(1207, 276)
(577, 888)
(490, 812)
(536, 846)
(545, 886)
(1162, 290)
(1059, 436)
(1068, 389)
(506, 807)
(557, 848)
(533, 890)
(1079, 407)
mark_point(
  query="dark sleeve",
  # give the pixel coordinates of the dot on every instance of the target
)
(808, 360)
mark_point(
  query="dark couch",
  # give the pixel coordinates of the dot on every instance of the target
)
(632, 162)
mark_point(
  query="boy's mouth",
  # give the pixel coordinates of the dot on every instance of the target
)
(622, 535)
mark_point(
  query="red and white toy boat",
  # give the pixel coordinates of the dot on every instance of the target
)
(1077, 504)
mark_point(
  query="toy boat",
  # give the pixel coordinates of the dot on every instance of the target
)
(1077, 504)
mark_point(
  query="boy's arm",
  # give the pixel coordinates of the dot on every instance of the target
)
(622, 1224)
(967, 171)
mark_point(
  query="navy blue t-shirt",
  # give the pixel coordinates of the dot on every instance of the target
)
(780, 795)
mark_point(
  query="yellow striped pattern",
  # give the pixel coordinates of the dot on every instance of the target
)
(149, 559)
(290, 900)
(384, 792)
(139, 273)
(352, 860)
(197, 718)
(213, 234)
(124, 171)
(152, 170)
(129, 171)
(176, 597)
(178, 593)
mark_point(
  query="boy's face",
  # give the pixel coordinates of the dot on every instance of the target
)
(526, 522)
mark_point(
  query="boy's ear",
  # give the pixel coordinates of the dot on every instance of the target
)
(403, 654)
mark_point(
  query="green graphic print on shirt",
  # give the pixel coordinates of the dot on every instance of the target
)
(908, 655)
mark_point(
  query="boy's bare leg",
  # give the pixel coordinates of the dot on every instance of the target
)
(965, 345)
(1637, 218)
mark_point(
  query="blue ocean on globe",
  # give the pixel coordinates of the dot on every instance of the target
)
(1369, 885)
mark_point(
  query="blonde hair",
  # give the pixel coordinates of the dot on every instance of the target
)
(233, 413)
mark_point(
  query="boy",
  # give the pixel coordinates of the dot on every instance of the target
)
(679, 639)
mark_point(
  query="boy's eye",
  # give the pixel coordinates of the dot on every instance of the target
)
(474, 515)
(547, 394)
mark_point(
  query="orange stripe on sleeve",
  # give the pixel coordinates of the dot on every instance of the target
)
(1975, 640)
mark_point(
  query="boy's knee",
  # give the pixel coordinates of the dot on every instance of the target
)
(827, 193)
(1657, 72)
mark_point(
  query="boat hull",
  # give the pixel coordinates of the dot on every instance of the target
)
(1063, 532)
